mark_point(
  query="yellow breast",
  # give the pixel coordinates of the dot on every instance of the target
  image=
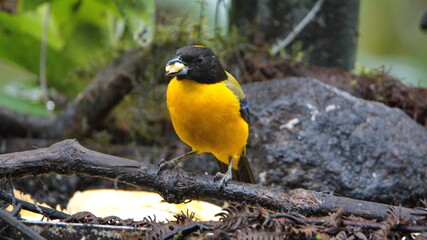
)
(207, 117)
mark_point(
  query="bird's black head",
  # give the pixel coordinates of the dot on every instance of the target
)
(196, 63)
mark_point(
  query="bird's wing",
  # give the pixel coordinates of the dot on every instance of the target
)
(244, 171)
(234, 86)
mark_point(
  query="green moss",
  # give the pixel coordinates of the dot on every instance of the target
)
(376, 75)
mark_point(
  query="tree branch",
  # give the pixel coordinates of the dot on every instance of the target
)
(45, 211)
(285, 42)
(69, 157)
(21, 227)
(90, 107)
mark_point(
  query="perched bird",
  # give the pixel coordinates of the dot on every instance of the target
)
(209, 112)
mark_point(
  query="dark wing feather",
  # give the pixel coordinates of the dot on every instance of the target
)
(243, 174)
(244, 110)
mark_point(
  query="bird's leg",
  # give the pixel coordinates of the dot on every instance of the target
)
(163, 164)
(227, 176)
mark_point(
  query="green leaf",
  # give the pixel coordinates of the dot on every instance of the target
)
(79, 32)
(139, 16)
(26, 5)
(22, 106)
(24, 49)
(30, 23)
(18, 90)
(11, 72)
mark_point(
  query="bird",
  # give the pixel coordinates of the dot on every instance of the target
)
(209, 112)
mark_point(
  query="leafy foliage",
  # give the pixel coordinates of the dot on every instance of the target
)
(80, 33)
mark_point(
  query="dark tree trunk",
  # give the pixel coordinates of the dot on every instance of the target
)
(334, 35)
(330, 39)
(243, 16)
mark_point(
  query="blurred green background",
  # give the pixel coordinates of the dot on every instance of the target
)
(390, 36)
(83, 35)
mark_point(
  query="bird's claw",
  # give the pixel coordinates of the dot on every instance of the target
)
(169, 164)
(164, 164)
(223, 179)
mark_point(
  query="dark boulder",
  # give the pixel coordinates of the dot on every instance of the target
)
(307, 134)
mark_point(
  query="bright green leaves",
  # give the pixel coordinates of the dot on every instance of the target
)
(80, 33)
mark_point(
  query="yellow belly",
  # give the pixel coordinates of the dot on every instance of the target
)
(207, 117)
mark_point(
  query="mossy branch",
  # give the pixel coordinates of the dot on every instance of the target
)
(70, 158)
(87, 111)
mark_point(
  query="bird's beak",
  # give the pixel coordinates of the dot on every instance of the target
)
(176, 67)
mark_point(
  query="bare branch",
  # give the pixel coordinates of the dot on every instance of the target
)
(90, 107)
(21, 227)
(69, 157)
(43, 56)
(45, 211)
(301, 25)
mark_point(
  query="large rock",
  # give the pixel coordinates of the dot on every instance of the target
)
(307, 134)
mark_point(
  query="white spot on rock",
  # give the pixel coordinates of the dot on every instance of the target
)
(330, 108)
(290, 124)
(263, 176)
(313, 112)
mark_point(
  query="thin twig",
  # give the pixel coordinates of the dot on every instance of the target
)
(15, 223)
(184, 231)
(216, 27)
(12, 193)
(296, 31)
(296, 219)
(16, 210)
(43, 55)
(47, 212)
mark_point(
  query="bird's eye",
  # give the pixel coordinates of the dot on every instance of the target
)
(199, 60)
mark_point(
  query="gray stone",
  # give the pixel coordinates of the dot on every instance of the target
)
(305, 133)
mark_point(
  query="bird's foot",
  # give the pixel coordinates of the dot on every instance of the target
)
(170, 164)
(167, 164)
(223, 178)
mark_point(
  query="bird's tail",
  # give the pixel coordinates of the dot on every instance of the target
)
(243, 172)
